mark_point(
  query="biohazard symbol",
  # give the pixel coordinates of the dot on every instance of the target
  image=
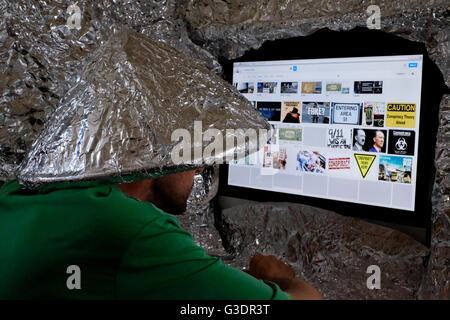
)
(401, 144)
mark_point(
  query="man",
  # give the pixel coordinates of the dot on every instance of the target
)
(123, 245)
(378, 142)
(89, 216)
(161, 193)
(360, 139)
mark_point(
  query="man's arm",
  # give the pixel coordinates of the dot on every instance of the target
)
(271, 269)
(163, 262)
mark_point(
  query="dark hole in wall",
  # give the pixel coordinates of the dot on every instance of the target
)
(360, 42)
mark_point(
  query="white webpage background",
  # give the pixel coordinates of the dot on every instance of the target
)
(401, 84)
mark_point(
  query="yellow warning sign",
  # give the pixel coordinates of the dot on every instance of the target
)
(364, 162)
(401, 115)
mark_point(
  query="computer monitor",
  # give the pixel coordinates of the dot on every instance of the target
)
(359, 49)
(345, 129)
(346, 135)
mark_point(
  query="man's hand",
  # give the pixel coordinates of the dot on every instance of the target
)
(271, 269)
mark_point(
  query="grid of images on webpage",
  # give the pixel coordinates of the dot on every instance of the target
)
(338, 139)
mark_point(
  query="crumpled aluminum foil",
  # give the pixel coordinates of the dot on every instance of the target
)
(229, 29)
(436, 282)
(206, 185)
(41, 57)
(199, 216)
(328, 250)
(119, 118)
(40, 60)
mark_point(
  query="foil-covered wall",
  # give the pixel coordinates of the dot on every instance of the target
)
(330, 251)
(41, 59)
(228, 29)
(199, 216)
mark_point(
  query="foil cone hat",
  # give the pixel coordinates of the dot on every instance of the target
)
(119, 118)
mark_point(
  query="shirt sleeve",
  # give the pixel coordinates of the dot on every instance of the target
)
(163, 262)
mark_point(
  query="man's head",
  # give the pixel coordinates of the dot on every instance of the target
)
(169, 192)
(378, 140)
(360, 137)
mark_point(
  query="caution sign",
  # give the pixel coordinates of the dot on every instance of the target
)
(364, 162)
(401, 115)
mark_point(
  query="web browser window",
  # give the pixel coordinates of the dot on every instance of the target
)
(345, 129)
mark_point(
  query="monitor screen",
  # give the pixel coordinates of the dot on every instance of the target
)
(345, 129)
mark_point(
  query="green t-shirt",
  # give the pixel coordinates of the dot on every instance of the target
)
(124, 249)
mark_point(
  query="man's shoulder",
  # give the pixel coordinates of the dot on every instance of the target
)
(92, 227)
(99, 208)
(118, 210)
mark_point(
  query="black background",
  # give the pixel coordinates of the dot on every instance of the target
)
(409, 141)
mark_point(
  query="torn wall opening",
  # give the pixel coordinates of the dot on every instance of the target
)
(371, 43)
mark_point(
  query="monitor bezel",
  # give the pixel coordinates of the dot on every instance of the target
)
(421, 216)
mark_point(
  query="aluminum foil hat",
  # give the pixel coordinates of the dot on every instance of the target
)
(119, 118)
